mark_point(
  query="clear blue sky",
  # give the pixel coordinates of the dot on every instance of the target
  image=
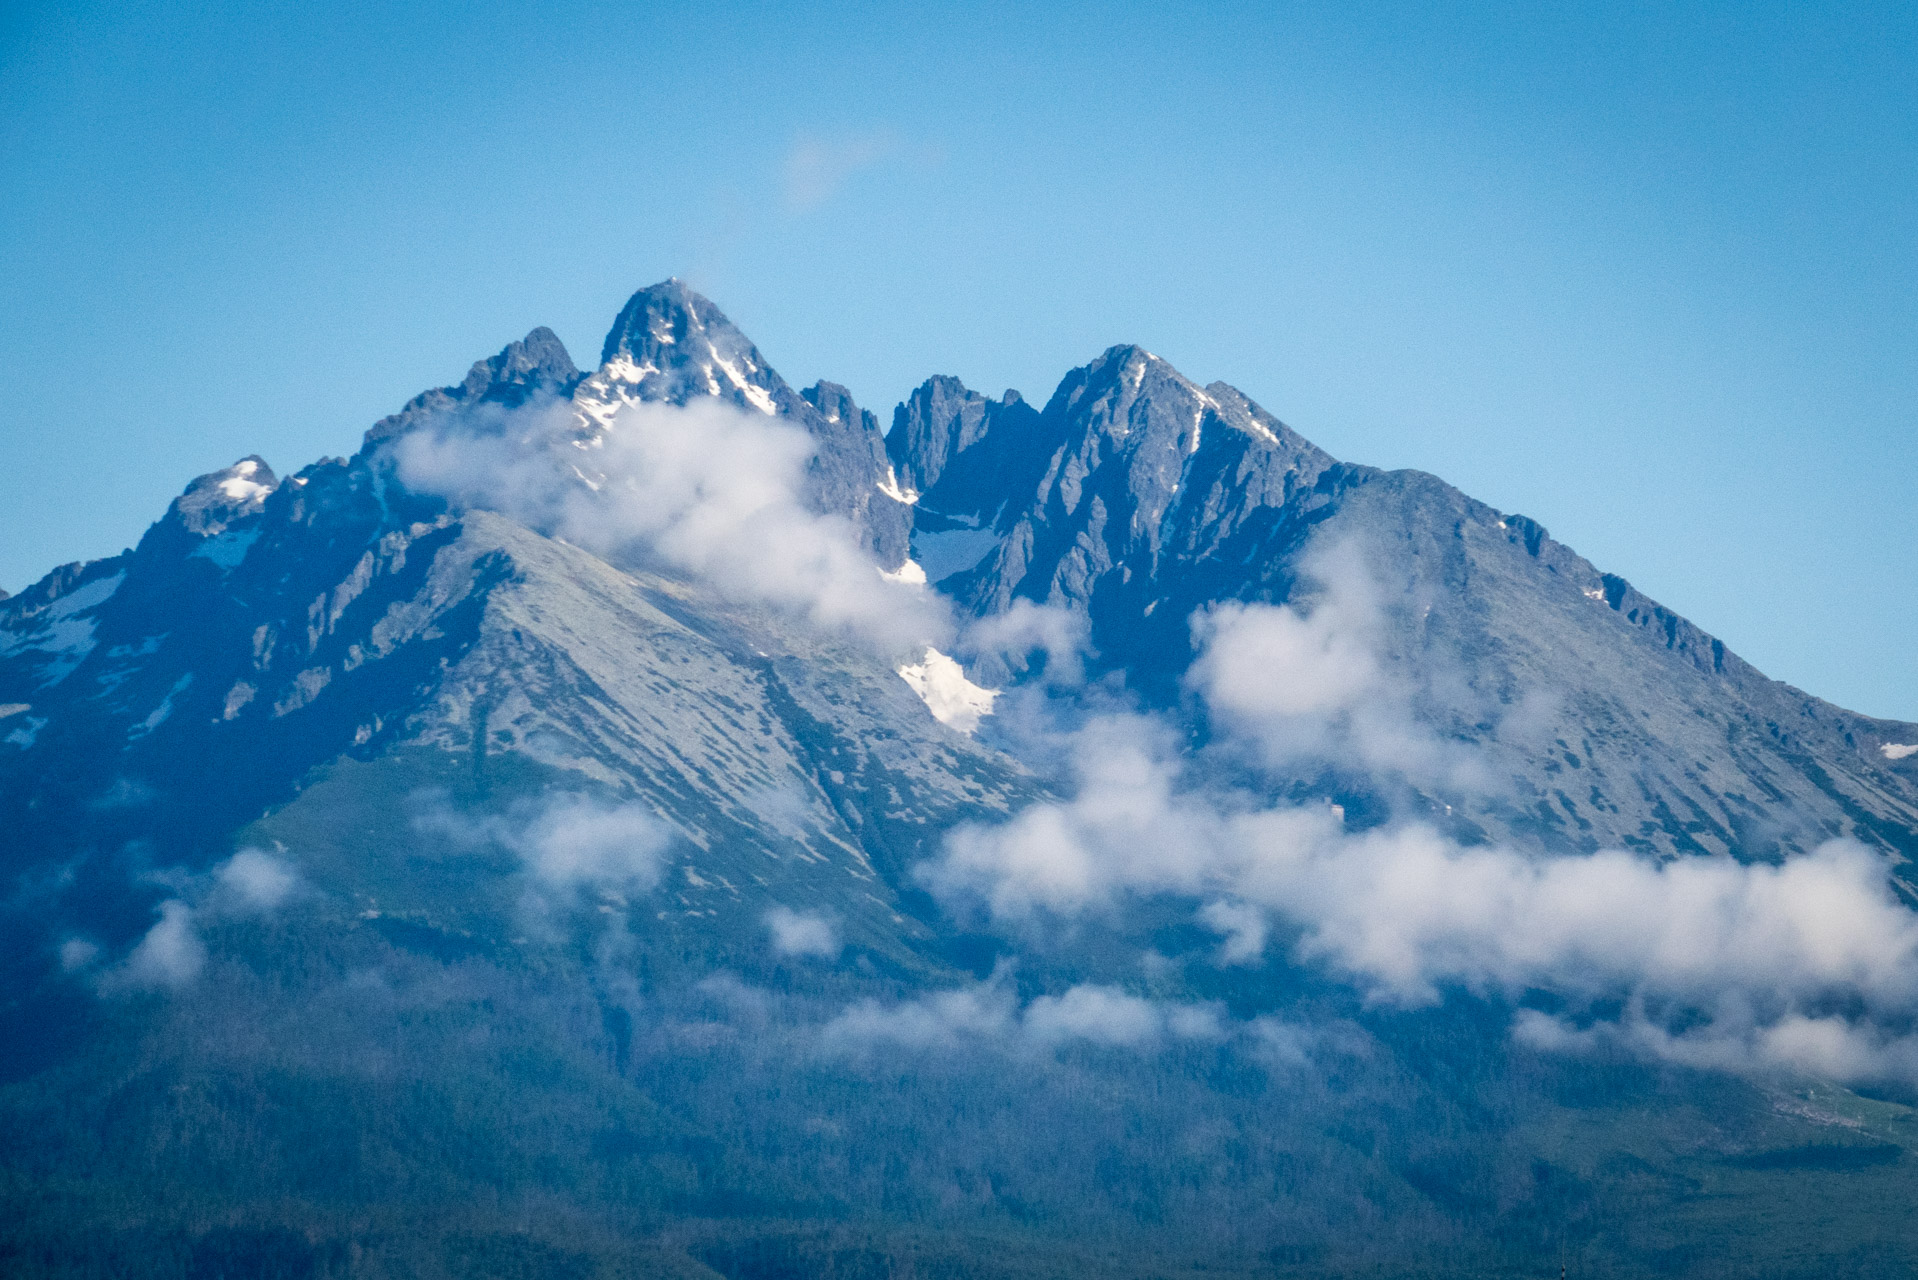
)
(1648, 273)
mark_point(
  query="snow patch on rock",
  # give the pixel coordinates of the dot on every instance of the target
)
(953, 700)
(891, 488)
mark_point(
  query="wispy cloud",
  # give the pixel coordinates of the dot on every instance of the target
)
(172, 953)
(818, 166)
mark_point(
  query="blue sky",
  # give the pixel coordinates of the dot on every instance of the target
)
(1647, 273)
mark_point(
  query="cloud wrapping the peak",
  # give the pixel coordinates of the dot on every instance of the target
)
(706, 490)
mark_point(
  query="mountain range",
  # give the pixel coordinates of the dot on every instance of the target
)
(653, 819)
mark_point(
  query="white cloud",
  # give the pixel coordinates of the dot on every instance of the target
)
(254, 880)
(172, 952)
(1245, 928)
(1096, 1014)
(705, 490)
(578, 841)
(1313, 680)
(169, 956)
(77, 953)
(797, 933)
(1124, 830)
(943, 1019)
(816, 167)
(569, 846)
(989, 1014)
(1011, 638)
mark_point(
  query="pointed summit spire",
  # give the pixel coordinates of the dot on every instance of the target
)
(671, 344)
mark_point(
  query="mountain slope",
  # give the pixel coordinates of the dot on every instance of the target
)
(1601, 719)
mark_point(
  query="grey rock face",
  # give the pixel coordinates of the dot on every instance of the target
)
(1600, 718)
(220, 498)
(374, 686)
(936, 430)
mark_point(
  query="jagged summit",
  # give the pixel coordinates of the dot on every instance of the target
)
(1134, 500)
(539, 359)
(671, 344)
(661, 314)
(536, 365)
(218, 498)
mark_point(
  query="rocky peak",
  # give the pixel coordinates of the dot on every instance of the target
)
(961, 453)
(849, 473)
(671, 344)
(220, 498)
(939, 421)
(537, 365)
(537, 362)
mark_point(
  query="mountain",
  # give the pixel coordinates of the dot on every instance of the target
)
(1136, 497)
(461, 858)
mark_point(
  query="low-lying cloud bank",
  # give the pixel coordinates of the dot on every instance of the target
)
(1811, 965)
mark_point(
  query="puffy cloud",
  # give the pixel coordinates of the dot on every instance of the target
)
(77, 953)
(1266, 664)
(1096, 1014)
(705, 490)
(1007, 642)
(570, 846)
(254, 880)
(578, 841)
(1313, 681)
(1245, 927)
(169, 956)
(797, 933)
(1123, 830)
(983, 1011)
